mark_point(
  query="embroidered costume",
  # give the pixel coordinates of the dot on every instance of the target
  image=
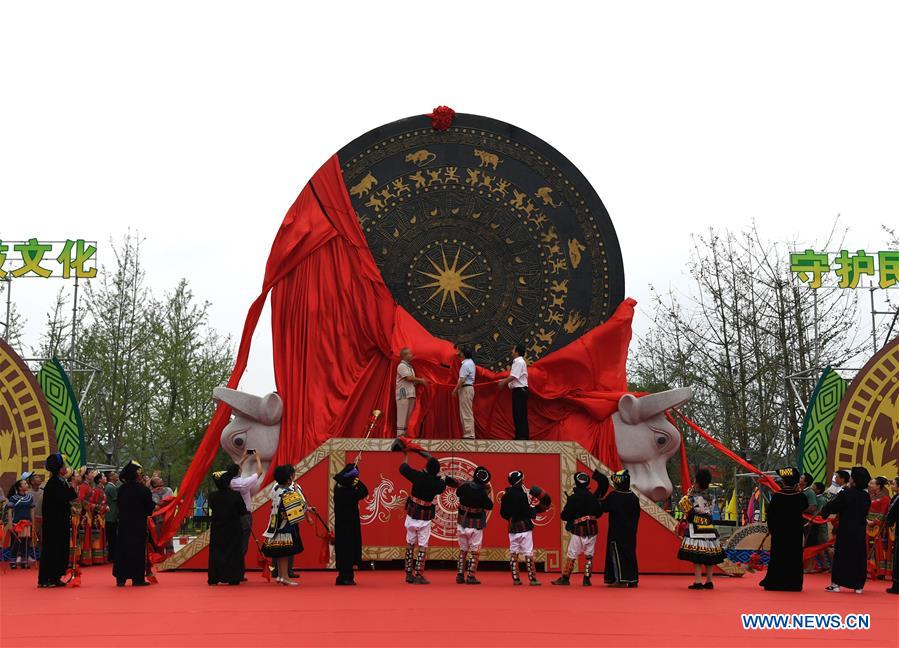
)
(471, 520)
(516, 507)
(420, 510)
(880, 545)
(282, 536)
(581, 512)
(700, 545)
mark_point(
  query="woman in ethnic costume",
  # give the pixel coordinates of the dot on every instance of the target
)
(135, 507)
(282, 537)
(880, 549)
(226, 556)
(786, 526)
(79, 519)
(18, 517)
(700, 545)
(850, 550)
(98, 508)
(55, 532)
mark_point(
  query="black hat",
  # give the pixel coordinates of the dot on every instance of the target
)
(348, 475)
(433, 466)
(515, 477)
(789, 475)
(222, 479)
(621, 480)
(581, 480)
(54, 463)
(860, 477)
(130, 470)
(481, 475)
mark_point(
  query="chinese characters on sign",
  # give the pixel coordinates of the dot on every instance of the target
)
(810, 267)
(64, 259)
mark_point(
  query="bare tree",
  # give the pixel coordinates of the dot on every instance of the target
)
(736, 336)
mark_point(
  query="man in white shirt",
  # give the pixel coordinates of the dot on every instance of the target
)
(405, 390)
(464, 390)
(517, 381)
(245, 486)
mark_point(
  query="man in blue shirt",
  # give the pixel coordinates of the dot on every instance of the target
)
(464, 390)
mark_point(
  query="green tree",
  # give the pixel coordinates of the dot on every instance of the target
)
(190, 359)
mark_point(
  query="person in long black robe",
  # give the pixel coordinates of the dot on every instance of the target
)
(135, 507)
(348, 492)
(56, 529)
(623, 507)
(850, 558)
(893, 519)
(226, 557)
(786, 525)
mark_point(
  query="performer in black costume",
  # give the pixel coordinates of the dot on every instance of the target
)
(226, 557)
(135, 507)
(582, 509)
(516, 507)
(471, 520)
(420, 510)
(348, 492)
(893, 520)
(56, 528)
(623, 507)
(850, 558)
(786, 526)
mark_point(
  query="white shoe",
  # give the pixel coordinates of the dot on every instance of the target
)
(858, 591)
(289, 583)
(832, 588)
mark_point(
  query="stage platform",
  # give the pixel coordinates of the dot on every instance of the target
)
(182, 610)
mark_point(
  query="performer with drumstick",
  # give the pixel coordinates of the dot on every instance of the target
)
(420, 509)
(516, 507)
(474, 502)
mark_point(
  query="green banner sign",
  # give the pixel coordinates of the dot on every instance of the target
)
(46, 259)
(811, 267)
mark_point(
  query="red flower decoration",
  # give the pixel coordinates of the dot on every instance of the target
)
(442, 118)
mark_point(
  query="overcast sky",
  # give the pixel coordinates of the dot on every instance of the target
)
(197, 123)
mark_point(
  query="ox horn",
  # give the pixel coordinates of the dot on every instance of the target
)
(634, 410)
(265, 409)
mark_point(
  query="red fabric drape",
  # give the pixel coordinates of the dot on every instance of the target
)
(766, 480)
(337, 331)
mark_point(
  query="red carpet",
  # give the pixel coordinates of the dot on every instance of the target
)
(382, 611)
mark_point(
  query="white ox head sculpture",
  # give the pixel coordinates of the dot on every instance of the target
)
(256, 424)
(646, 440)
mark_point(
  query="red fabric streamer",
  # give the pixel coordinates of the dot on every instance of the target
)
(442, 118)
(810, 552)
(685, 480)
(337, 332)
(764, 479)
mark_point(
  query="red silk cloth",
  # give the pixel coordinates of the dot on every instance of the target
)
(337, 332)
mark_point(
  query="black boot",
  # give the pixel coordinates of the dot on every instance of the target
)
(532, 572)
(409, 577)
(460, 573)
(472, 578)
(588, 571)
(565, 578)
(513, 563)
(419, 578)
